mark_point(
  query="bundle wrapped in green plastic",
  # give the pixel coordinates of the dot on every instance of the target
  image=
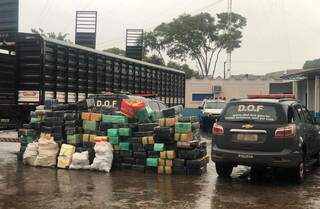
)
(26, 139)
(113, 132)
(152, 162)
(124, 131)
(74, 139)
(118, 119)
(159, 147)
(142, 115)
(113, 140)
(34, 120)
(27, 132)
(183, 127)
(154, 116)
(124, 146)
(89, 125)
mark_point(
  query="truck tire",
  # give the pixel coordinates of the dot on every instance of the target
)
(224, 170)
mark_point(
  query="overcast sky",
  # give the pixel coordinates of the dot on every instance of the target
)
(280, 34)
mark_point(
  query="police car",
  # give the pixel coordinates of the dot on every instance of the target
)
(275, 132)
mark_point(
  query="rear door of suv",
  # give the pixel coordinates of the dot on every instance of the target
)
(251, 126)
(311, 132)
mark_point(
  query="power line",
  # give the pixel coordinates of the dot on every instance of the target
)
(207, 6)
(44, 13)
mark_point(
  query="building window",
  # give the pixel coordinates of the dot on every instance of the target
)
(200, 97)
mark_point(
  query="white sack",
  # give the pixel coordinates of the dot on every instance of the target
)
(103, 157)
(30, 155)
(80, 160)
(48, 151)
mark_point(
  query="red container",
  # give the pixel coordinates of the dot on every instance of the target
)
(130, 106)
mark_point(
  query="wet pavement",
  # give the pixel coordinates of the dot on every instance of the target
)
(24, 187)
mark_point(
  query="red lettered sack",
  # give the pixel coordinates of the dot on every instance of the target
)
(130, 106)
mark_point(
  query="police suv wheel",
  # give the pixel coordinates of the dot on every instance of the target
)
(318, 159)
(224, 170)
(299, 172)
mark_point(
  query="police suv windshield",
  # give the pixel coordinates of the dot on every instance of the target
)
(214, 105)
(258, 112)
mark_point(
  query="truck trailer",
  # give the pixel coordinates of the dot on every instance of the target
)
(34, 68)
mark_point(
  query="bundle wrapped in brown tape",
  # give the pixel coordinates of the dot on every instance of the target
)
(91, 116)
(85, 116)
(165, 162)
(170, 154)
(185, 137)
(165, 170)
(167, 122)
(148, 140)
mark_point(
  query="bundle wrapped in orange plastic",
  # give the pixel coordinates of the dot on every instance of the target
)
(129, 107)
(91, 116)
(98, 139)
(88, 137)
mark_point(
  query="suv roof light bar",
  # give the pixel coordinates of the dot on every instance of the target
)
(271, 96)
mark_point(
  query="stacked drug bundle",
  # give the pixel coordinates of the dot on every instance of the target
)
(192, 153)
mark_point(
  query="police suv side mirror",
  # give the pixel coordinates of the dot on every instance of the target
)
(200, 108)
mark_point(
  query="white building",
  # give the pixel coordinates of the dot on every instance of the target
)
(306, 87)
(237, 86)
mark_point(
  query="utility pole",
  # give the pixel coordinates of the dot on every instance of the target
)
(224, 70)
(229, 23)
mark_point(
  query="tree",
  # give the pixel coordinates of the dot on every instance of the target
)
(52, 35)
(198, 37)
(311, 64)
(115, 50)
(152, 43)
(154, 59)
(185, 68)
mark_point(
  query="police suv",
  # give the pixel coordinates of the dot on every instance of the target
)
(279, 133)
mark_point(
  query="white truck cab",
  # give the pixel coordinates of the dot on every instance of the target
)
(211, 109)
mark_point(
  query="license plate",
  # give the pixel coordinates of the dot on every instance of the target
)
(247, 137)
(246, 156)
